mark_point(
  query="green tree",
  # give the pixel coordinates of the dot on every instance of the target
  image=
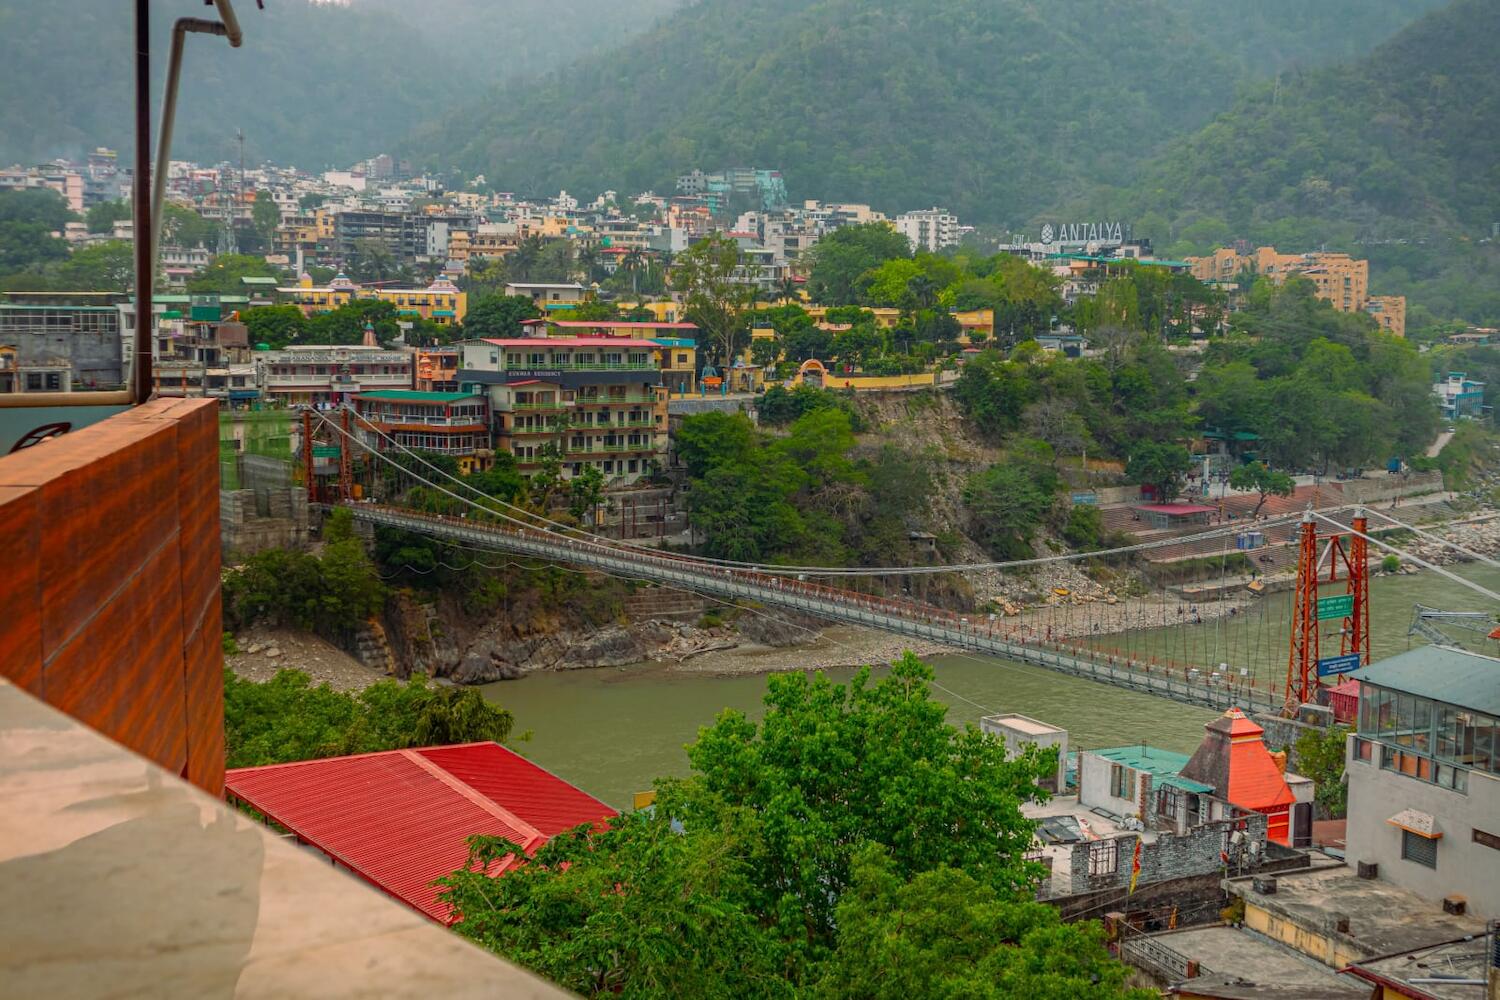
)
(944, 935)
(1006, 505)
(708, 440)
(585, 494)
(1264, 481)
(265, 215)
(499, 316)
(107, 267)
(1161, 466)
(734, 884)
(102, 217)
(706, 276)
(839, 260)
(288, 718)
(223, 274)
(371, 261)
(1320, 756)
(274, 326)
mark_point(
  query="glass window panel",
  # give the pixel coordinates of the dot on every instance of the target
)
(1405, 710)
(1422, 724)
(1447, 732)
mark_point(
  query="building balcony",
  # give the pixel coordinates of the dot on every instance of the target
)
(587, 366)
(599, 448)
(534, 431)
(639, 422)
(545, 405)
(613, 400)
(398, 380)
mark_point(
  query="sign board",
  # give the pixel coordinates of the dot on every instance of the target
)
(1083, 232)
(1340, 606)
(1086, 498)
(325, 451)
(1332, 665)
(24, 426)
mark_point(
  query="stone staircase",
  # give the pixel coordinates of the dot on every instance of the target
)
(373, 649)
(659, 602)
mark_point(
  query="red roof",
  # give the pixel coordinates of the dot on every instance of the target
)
(620, 325)
(571, 342)
(399, 819)
(1177, 508)
(1255, 782)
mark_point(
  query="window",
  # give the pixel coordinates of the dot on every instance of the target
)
(1487, 839)
(682, 359)
(1104, 857)
(34, 381)
(54, 381)
(1417, 848)
(1120, 783)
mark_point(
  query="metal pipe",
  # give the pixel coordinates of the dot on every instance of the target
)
(21, 400)
(180, 31)
(145, 250)
(140, 196)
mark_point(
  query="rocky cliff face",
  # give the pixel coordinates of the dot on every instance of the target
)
(437, 638)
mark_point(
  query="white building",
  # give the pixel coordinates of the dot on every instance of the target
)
(329, 374)
(930, 229)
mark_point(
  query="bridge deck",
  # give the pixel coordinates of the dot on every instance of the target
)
(899, 617)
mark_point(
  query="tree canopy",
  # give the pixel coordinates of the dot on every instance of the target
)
(851, 809)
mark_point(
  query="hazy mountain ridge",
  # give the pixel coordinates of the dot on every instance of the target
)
(996, 110)
(314, 84)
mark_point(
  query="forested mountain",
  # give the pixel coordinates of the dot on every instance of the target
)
(1395, 156)
(995, 109)
(314, 84)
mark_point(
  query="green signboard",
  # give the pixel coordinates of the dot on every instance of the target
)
(325, 451)
(1341, 606)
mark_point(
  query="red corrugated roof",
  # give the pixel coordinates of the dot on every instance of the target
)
(399, 819)
(571, 342)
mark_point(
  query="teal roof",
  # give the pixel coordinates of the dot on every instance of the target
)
(1441, 673)
(412, 396)
(1162, 765)
(257, 280)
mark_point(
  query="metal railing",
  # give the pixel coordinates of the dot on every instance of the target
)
(909, 618)
(584, 366)
(612, 400)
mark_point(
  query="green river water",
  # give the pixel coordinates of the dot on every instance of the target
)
(612, 731)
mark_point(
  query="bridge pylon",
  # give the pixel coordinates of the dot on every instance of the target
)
(1302, 658)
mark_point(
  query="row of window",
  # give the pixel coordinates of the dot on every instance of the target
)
(1412, 764)
(540, 359)
(1429, 729)
(448, 444)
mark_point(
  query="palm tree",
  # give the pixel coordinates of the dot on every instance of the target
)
(588, 263)
(788, 289)
(523, 260)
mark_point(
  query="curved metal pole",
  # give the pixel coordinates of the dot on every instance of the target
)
(147, 215)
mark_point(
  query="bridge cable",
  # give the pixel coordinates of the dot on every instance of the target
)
(1405, 555)
(776, 569)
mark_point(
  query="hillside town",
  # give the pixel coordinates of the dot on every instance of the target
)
(426, 585)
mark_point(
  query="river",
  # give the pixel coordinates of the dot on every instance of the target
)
(612, 731)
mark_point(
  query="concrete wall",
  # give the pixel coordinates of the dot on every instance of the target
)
(1464, 867)
(111, 594)
(274, 519)
(1094, 786)
(1168, 857)
(1371, 490)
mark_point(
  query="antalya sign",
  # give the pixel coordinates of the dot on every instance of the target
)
(1083, 232)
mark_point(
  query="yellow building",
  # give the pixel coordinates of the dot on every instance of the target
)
(1390, 312)
(976, 323)
(1340, 280)
(441, 302)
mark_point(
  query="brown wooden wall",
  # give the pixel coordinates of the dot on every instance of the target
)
(109, 596)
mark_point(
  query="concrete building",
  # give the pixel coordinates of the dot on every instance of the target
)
(1018, 732)
(548, 295)
(447, 423)
(436, 370)
(1459, 396)
(930, 229)
(329, 374)
(440, 302)
(1390, 312)
(1424, 775)
(588, 400)
(81, 330)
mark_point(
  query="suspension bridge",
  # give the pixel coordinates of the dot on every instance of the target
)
(1054, 641)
